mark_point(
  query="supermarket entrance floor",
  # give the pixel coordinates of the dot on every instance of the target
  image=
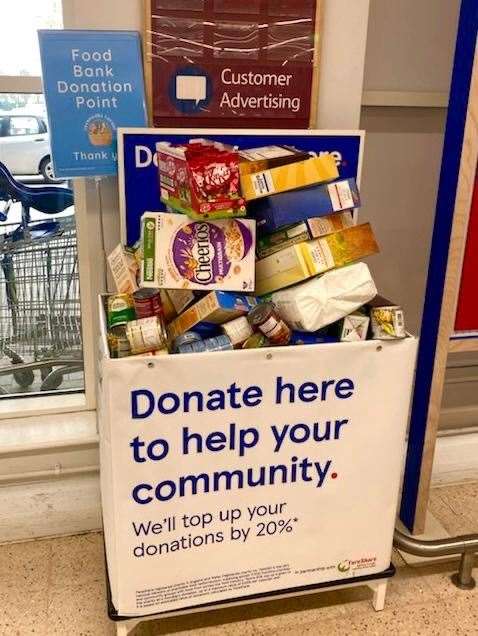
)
(56, 586)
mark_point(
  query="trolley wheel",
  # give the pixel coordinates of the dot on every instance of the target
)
(52, 381)
(44, 372)
(24, 378)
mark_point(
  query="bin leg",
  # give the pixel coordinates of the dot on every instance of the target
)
(379, 593)
(123, 628)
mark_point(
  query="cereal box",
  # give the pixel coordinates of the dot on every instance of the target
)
(123, 268)
(215, 308)
(257, 159)
(179, 253)
(200, 179)
(309, 229)
(299, 174)
(287, 208)
(297, 263)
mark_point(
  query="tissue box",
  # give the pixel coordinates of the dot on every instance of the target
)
(308, 229)
(299, 262)
(326, 299)
(273, 213)
(179, 253)
(299, 174)
(216, 308)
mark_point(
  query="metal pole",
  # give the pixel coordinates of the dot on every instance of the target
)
(463, 578)
(466, 545)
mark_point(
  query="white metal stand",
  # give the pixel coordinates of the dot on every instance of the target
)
(378, 586)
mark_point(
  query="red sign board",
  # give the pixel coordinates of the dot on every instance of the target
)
(467, 308)
(230, 63)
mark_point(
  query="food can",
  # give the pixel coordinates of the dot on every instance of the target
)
(185, 338)
(147, 303)
(238, 330)
(219, 343)
(118, 343)
(267, 319)
(146, 334)
(120, 309)
(256, 341)
(387, 322)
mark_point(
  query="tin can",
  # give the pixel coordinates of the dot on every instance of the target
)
(256, 341)
(118, 343)
(238, 330)
(146, 334)
(267, 319)
(120, 309)
(387, 322)
(147, 303)
(219, 343)
(185, 338)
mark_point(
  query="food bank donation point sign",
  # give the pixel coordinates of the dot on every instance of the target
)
(93, 83)
(232, 475)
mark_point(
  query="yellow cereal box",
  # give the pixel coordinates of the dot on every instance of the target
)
(297, 263)
(299, 174)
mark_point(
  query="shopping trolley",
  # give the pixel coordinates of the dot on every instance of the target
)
(40, 317)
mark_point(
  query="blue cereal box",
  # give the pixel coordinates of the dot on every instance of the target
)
(217, 307)
(286, 208)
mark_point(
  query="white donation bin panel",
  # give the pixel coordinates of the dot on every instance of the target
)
(237, 473)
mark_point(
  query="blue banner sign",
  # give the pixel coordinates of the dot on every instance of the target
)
(93, 83)
(138, 164)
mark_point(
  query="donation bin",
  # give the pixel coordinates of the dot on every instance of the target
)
(228, 475)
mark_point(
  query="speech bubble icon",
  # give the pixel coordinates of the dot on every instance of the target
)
(191, 87)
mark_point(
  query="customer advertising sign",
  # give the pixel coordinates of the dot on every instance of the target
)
(138, 169)
(210, 64)
(250, 474)
(93, 83)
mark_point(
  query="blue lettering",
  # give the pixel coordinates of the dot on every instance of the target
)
(135, 395)
(136, 493)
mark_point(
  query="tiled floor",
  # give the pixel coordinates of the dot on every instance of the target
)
(57, 587)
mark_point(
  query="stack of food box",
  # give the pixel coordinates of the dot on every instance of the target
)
(258, 247)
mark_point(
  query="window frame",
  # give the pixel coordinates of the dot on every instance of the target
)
(32, 405)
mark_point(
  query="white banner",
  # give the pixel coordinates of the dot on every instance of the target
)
(231, 474)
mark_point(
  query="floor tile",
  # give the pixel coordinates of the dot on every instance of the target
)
(22, 613)
(78, 559)
(456, 507)
(79, 610)
(25, 564)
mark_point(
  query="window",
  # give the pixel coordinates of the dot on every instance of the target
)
(23, 126)
(40, 315)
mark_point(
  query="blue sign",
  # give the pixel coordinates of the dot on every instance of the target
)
(138, 164)
(93, 83)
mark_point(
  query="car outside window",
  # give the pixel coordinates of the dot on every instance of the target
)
(24, 126)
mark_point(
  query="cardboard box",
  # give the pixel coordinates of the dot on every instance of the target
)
(299, 174)
(179, 253)
(297, 263)
(353, 327)
(216, 308)
(288, 208)
(197, 186)
(257, 159)
(124, 268)
(305, 231)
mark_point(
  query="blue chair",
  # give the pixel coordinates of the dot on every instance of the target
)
(47, 199)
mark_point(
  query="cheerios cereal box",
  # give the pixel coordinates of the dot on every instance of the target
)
(180, 253)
